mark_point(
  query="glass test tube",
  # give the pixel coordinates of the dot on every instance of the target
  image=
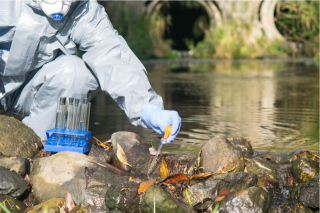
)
(61, 116)
(88, 116)
(70, 115)
(76, 114)
(83, 115)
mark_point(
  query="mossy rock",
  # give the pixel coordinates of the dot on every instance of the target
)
(17, 139)
(304, 169)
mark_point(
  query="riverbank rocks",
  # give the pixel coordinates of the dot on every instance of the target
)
(312, 183)
(162, 200)
(123, 196)
(17, 139)
(101, 154)
(309, 198)
(303, 169)
(78, 173)
(130, 152)
(18, 164)
(254, 199)
(51, 206)
(265, 171)
(14, 205)
(202, 194)
(221, 152)
(301, 209)
(12, 183)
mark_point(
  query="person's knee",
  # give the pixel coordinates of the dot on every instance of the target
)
(71, 72)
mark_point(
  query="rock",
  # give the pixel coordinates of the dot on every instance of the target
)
(312, 183)
(265, 171)
(309, 198)
(17, 139)
(51, 175)
(201, 194)
(12, 183)
(254, 199)
(123, 196)
(52, 206)
(101, 154)
(18, 164)
(164, 202)
(277, 209)
(303, 169)
(301, 209)
(14, 205)
(221, 152)
(132, 149)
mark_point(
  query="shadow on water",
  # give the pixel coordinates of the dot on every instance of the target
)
(275, 104)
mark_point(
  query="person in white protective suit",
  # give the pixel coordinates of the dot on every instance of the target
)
(38, 43)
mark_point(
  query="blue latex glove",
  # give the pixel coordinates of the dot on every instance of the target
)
(158, 119)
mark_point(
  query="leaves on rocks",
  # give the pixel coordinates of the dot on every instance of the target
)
(202, 175)
(106, 145)
(172, 179)
(69, 201)
(144, 186)
(121, 155)
(164, 169)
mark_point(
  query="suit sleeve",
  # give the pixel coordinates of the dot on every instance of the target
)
(120, 73)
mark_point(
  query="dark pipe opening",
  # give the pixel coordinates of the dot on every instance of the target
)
(185, 22)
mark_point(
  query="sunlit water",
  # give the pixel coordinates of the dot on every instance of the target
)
(274, 104)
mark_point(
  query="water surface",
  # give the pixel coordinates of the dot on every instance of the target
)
(275, 104)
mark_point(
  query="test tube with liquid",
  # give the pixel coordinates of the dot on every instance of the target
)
(88, 116)
(83, 116)
(70, 118)
(76, 117)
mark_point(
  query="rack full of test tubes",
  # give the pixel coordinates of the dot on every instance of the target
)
(71, 127)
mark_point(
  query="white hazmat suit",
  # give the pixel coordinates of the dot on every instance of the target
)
(38, 63)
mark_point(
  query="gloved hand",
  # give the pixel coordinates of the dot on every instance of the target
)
(158, 119)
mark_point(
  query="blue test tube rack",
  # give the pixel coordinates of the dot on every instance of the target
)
(59, 140)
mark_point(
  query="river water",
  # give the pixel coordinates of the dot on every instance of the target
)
(275, 104)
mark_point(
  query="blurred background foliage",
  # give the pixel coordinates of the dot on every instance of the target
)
(156, 35)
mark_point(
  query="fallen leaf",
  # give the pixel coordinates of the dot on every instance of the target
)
(290, 180)
(249, 142)
(88, 173)
(153, 151)
(97, 123)
(144, 186)
(28, 179)
(175, 178)
(69, 200)
(223, 170)
(121, 155)
(245, 169)
(164, 169)
(262, 166)
(119, 165)
(201, 175)
(220, 198)
(42, 153)
(76, 209)
(224, 192)
(137, 180)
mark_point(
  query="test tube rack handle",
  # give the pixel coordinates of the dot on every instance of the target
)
(59, 140)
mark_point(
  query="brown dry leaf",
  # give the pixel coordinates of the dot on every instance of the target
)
(201, 175)
(245, 169)
(144, 186)
(121, 155)
(223, 170)
(28, 179)
(164, 169)
(290, 180)
(69, 200)
(249, 142)
(175, 178)
(220, 198)
(224, 192)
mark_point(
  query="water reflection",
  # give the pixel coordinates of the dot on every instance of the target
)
(274, 104)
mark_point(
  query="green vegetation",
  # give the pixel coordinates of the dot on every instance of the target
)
(297, 21)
